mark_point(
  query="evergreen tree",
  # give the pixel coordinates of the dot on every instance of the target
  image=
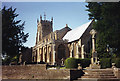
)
(107, 24)
(13, 35)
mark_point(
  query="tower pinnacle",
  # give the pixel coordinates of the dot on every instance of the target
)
(52, 19)
(44, 16)
(66, 25)
(37, 20)
(40, 17)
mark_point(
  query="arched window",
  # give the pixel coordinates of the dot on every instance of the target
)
(61, 51)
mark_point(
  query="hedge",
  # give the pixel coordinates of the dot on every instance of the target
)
(105, 63)
(85, 62)
(73, 62)
(116, 61)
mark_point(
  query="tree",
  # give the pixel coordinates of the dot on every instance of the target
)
(107, 24)
(13, 35)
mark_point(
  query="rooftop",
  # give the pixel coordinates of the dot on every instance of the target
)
(77, 32)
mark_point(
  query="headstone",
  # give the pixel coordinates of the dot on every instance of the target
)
(24, 62)
(98, 62)
(62, 60)
(10, 64)
(20, 58)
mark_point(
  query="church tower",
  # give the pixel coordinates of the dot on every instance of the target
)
(44, 27)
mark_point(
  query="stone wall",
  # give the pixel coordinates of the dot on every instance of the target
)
(39, 72)
(33, 72)
(86, 37)
(61, 33)
(35, 80)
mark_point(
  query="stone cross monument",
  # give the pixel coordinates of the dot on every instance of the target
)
(94, 63)
(94, 54)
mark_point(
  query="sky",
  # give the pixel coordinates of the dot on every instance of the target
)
(45, 0)
(72, 13)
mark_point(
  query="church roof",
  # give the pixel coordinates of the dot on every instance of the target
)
(77, 32)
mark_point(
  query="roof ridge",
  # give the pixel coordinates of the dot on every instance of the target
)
(77, 32)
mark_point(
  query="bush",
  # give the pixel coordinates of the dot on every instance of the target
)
(85, 62)
(116, 61)
(105, 63)
(71, 63)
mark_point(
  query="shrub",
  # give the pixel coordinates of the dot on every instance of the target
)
(116, 61)
(71, 63)
(85, 62)
(105, 62)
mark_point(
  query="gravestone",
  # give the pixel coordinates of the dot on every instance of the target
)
(20, 59)
(62, 60)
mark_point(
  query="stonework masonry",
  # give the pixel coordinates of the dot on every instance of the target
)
(51, 48)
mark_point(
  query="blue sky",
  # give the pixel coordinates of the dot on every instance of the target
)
(72, 13)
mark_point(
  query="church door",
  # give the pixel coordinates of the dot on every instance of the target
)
(61, 52)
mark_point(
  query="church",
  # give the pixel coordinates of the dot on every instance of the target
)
(53, 47)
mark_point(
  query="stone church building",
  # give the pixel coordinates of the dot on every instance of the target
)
(54, 46)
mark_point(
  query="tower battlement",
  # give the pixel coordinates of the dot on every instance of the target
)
(44, 27)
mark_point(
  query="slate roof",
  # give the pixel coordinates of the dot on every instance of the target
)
(77, 32)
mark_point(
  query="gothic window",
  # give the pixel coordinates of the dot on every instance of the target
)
(79, 49)
(61, 51)
(38, 36)
(73, 53)
(50, 57)
(36, 56)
